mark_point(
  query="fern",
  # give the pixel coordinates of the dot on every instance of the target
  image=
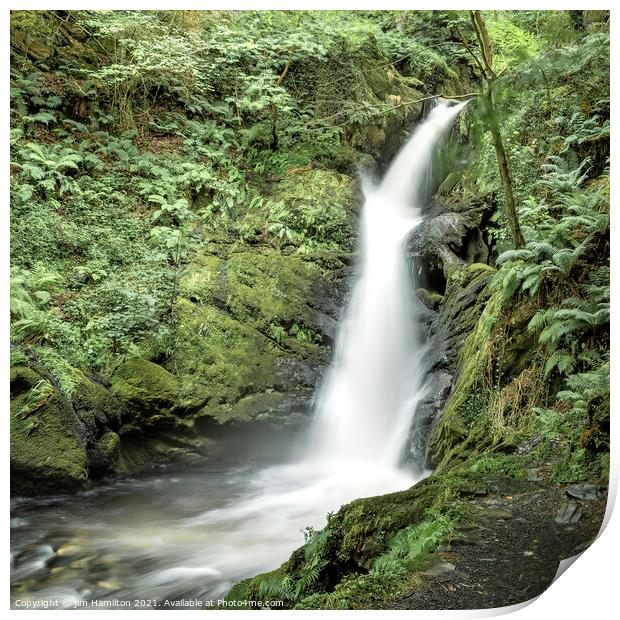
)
(561, 360)
(513, 255)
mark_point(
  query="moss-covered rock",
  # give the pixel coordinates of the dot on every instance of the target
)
(497, 381)
(267, 289)
(96, 405)
(257, 406)
(247, 316)
(449, 325)
(148, 390)
(47, 452)
(219, 359)
(431, 299)
(103, 454)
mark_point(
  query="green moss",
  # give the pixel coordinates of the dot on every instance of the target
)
(430, 299)
(458, 424)
(366, 553)
(255, 406)
(203, 281)
(219, 359)
(109, 445)
(268, 288)
(239, 315)
(95, 405)
(315, 207)
(392, 575)
(475, 268)
(499, 465)
(147, 388)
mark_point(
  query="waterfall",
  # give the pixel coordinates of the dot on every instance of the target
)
(203, 532)
(366, 404)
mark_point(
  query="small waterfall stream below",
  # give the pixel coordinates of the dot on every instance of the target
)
(196, 533)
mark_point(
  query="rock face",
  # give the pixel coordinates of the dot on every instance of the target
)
(450, 236)
(446, 249)
(147, 389)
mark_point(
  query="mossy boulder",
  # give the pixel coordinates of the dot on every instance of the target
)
(96, 405)
(431, 299)
(268, 289)
(257, 407)
(148, 390)
(104, 453)
(47, 449)
(244, 321)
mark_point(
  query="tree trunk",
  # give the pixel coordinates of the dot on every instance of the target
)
(489, 76)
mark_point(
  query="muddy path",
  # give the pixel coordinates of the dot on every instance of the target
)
(510, 549)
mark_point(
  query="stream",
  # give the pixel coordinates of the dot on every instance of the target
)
(174, 536)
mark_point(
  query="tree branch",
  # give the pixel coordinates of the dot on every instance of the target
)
(441, 96)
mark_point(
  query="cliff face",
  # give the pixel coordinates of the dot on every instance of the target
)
(184, 196)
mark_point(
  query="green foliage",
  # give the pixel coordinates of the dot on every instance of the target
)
(562, 237)
(512, 44)
(410, 543)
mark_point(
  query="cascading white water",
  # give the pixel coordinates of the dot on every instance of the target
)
(195, 535)
(369, 397)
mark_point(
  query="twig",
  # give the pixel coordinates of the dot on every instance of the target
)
(442, 96)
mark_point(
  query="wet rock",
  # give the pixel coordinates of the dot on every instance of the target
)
(295, 371)
(109, 584)
(568, 513)
(103, 455)
(430, 299)
(438, 387)
(47, 438)
(70, 549)
(449, 237)
(329, 294)
(585, 491)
